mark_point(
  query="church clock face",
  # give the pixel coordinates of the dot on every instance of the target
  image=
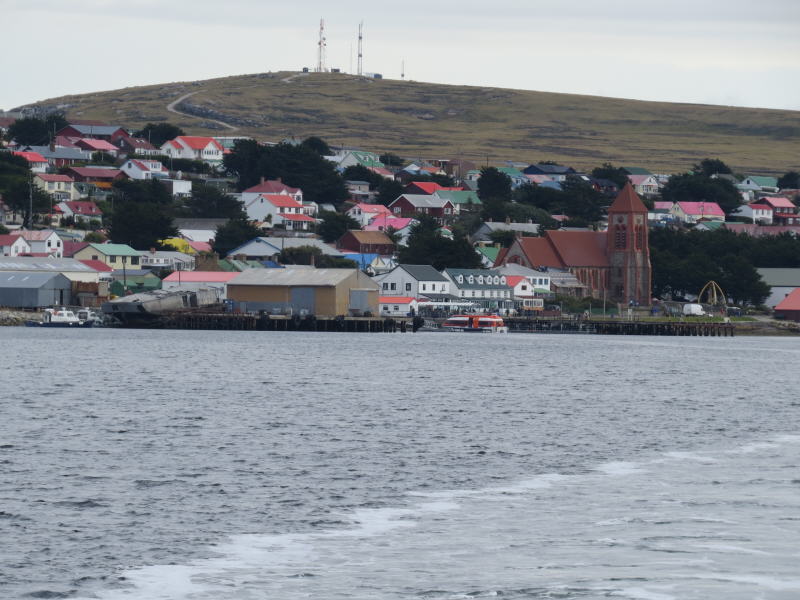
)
(620, 219)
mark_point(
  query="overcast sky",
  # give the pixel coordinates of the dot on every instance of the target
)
(734, 52)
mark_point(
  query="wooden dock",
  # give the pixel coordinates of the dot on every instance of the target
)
(619, 327)
(265, 322)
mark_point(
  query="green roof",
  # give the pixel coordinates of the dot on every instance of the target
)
(765, 181)
(713, 225)
(511, 172)
(116, 250)
(368, 159)
(459, 197)
(489, 252)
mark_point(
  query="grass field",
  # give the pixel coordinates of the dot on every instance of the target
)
(423, 120)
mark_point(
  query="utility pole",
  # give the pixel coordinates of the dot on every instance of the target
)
(361, 48)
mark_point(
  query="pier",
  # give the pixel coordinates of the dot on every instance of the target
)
(619, 327)
(265, 322)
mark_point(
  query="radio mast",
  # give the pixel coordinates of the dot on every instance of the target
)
(403, 69)
(321, 45)
(361, 48)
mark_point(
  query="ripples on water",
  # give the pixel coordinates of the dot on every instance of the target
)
(215, 465)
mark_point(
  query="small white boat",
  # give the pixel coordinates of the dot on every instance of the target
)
(60, 317)
(475, 324)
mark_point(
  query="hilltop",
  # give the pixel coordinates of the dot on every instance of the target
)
(445, 121)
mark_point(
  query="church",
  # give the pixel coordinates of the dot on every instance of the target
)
(614, 264)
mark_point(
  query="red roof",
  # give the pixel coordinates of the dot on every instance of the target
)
(8, 239)
(373, 208)
(197, 142)
(628, 201)
(540, 252)
(778, 202)
(272, 186)
(580, 248)
(282, 200)
(54, 177)
(200, 246)
(96, 172)
(201, 276)
(97, 265)
(700, 209)
(139, 143)
(513, 280)
(791, 302)
(83, 207)
(99, 145)
(70, 248)
(296, 217)
(31, 157)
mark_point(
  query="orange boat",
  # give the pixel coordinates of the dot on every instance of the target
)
(475, 324)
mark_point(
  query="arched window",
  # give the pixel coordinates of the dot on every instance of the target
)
(639, 237)
(620, 237)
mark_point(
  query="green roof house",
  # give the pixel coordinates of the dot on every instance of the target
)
(116, 256)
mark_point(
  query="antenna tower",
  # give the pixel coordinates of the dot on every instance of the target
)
(361, 48)
(403, 69)
(321, 45)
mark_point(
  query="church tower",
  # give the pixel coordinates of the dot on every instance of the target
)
(629, 277)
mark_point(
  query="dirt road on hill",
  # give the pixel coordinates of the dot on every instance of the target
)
(171, 108)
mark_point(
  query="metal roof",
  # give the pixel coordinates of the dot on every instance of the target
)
(52, 265)
(780, 277)
(423, 272)
(294, 277)
(269, 246)
(27, 279)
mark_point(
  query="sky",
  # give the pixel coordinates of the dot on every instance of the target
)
(730, 52)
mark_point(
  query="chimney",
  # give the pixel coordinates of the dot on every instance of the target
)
(262, 180)
(279, 180)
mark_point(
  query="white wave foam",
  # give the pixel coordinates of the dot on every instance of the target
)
(691, 456)
(619, 468)
(762, 581)
(725, 548)
(640, 593)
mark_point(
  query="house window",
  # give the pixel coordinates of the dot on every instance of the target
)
(393, 286)
(423, 287)
(397, 210)
(396, 308)
(134, 260)
(112, 259)
(94, 257)
(408, 287)
(385, 285)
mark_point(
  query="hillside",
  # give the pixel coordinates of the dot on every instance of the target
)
(444, 121)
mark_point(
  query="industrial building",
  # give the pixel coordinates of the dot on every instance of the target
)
(27, 289)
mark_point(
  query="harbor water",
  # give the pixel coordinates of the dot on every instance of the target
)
(191, 465)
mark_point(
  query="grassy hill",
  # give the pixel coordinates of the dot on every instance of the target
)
(444, 121)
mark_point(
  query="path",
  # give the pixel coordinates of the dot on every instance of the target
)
(171, 108)
(291, 77)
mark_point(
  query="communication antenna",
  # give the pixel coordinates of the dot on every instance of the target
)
(321, 45)
(361, 48)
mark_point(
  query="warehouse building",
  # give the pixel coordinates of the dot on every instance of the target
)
(27, 289)
(305, 291)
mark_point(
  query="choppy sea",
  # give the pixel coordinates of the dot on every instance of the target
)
(177, 465)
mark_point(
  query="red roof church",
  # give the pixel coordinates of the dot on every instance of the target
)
(613, 263)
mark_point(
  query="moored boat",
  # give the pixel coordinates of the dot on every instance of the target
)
(59, 317)
(475, 324)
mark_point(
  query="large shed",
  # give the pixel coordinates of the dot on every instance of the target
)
(29, 289)
(305, 290)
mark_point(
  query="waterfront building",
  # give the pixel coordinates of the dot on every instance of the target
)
(29, 289)
(416, 281)
(485, 288)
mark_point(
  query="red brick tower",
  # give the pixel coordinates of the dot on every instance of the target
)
(628, 250)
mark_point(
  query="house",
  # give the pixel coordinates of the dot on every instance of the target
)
(366, 242)
(36, 162)
(636, 171)
(138, 146)
(645, 185)
(398, 306)
(759, 183)
(781, 283)
(13, 245)
(488, 254)
(484, 232)
(604, 186)
(540, 280)
(516, 176)
(141, 169)
(96, 132)
(102, 177)
(305, 291)
(415, 281)
(272, 186)
(268, 248)
(789, 307)
(613, 264)
(364, 213)
(409, 205)
(350, 158)
(93, 145)
(58, 157)
(524, 294)
(59, 187)
(80, 210)
(117, 256)
(554, 172)
(784, 212)
(197, 280)
(486, 288)
(44, 242)
(462, 200)
(661, 211)
(428, 188)
(198, 230)
(694, 212)
(190, 147)
(25, 289)
(279, 209)
(400, 226)
(167, 259)
(756, 212)
(179, 188)
(359, 191)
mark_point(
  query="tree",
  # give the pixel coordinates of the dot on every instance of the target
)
(158, 133)
(4, 230)
(582, 201)
(17, 189)
(362, 173)
(612, 173)
(209, 202)
(711, 166)
(147, 191)
(317, 145)
(233, 234)
(94, 237)
(790, 181)
(699, 188)
(504, 237)
(141, 225)
(494, 185)
(35, 131)
(427, 246)
(388, 191)
(334, 225)
(391, 160)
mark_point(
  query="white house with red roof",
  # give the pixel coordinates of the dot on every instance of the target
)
(80, 210)
(524, 293)
(44, 242)
(36, 162)
(272, 186)
(144, 169)
(364, 213)
(397, 306)
(757, 212)
(60, 187)
(14, 245)
(784, 212)
(693, 212)
(644, 184)
(279, 209)
(194, 147)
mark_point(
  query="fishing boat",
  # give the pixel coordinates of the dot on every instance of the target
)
(475, 324)
(60, 317)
